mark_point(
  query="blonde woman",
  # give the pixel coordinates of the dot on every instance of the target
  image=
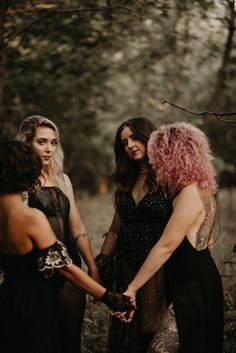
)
(56, 200)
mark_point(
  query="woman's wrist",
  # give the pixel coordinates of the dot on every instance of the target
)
(131, 288)
(92, 268)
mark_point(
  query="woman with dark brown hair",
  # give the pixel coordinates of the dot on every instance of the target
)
(141, 212)
(182, 159)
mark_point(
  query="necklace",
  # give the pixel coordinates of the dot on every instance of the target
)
(143, 173)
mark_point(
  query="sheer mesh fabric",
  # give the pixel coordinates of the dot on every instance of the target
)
(72, 300)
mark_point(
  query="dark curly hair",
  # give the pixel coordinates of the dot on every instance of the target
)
(126, 170)
(20, 168)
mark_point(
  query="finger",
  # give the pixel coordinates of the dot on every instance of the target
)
(129, 315)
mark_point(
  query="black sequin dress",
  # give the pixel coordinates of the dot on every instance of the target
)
(29, 300)
(142, 226)
(72, 300)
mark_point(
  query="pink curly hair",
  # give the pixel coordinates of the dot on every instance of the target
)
(180, 155)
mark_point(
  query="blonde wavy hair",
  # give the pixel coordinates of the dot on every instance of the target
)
(26, 134)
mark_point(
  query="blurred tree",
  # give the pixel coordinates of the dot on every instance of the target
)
(90, 64)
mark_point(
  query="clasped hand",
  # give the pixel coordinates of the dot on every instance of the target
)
(127, 315)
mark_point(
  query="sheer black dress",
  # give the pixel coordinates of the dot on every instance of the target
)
(56, 206)
(142, 225)
(29, 300)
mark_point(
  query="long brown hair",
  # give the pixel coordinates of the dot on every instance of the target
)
(126, 170)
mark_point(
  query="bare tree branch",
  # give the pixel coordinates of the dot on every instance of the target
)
(121, 5)
(218, 115)
(7, 38)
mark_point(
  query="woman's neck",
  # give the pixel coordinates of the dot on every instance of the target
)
(10, 199)
(143, 169)
(45, 178)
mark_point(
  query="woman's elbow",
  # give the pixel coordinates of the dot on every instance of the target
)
(168, 249)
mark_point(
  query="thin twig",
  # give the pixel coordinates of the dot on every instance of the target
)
(64, 11)
(218, 115)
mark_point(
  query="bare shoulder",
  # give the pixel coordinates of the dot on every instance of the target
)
(39, 229)
(34, 217)
(69, 187)
(189, 194)
(68, 183)
(190, 190)
(67, 179)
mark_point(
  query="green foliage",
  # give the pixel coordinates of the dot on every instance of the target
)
(89, 70)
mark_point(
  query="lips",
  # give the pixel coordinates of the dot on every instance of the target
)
(134, 152)
(46, 158)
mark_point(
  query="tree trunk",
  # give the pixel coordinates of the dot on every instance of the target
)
(3, 9)
(215, 102)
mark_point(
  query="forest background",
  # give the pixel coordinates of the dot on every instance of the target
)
(88, 65)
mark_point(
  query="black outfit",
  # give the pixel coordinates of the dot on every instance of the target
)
(56, 206)
(28, 300)
(142, 226)
(197, 294)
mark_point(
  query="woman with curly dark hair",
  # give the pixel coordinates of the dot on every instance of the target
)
(29, 256)
(182, 160)
(142, 210)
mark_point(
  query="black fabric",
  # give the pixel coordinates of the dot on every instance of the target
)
(197, 294)
(28, 307)
(142, 225)
(72, 300)
(107, 268)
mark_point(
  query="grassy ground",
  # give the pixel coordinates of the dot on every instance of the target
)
(97, 213)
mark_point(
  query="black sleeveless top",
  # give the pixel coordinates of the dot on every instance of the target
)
(56, 207)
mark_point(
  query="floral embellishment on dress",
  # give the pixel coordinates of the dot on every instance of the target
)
(56, 256)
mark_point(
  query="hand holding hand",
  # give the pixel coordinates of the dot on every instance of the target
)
(127, 315)
(117, 302)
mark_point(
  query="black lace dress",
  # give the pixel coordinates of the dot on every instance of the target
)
(142, 225)
(72, 300)
(29, 300)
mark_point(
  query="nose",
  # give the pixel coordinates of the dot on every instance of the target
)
(48, 147)
(130, 144)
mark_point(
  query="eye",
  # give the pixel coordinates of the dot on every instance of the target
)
(125, 143)
(134, 137)
(54, 142)
(41, 141)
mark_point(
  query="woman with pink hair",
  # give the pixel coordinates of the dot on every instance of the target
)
(182, 160)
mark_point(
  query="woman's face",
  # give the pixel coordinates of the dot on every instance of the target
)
(45, 143)
(134, 148)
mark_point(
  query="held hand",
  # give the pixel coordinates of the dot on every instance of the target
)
(127, 317)
(117, 302)
(130, 292)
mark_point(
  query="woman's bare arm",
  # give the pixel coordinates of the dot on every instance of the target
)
(79, 233)
(187, 207)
